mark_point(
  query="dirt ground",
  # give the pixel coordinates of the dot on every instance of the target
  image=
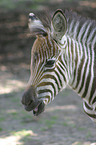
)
(63, 122)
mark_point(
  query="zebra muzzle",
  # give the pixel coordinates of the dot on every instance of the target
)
(31, 102)
(39, 109)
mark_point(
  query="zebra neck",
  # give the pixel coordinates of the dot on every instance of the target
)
(80, 65)
(81, 41)
(72, 56)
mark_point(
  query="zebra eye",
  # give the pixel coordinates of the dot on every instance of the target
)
(50, 62)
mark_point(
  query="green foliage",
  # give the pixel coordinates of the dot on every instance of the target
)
(7, 4)
(21, 133)
(2, 119)
(12, 4)
(1, 129)
(48, 123)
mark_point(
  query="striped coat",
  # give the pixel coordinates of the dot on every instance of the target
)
(63, 55)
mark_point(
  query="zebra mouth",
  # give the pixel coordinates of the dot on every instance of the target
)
(31, 102)
(36, 107)
(31, 105)
(39, 109)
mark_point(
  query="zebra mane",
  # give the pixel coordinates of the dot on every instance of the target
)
(76, 18)
(46, 18)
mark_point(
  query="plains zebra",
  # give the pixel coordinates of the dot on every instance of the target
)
(63, 54)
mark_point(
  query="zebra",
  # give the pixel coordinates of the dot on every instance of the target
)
(63, 54)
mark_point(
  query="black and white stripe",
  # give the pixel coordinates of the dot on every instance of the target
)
(74, 63)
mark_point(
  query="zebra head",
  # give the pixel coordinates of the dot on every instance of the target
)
(44, 83)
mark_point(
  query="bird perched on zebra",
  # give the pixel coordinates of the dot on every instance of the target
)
(63, 54)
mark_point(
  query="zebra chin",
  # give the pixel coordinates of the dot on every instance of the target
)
(38, 107)
(31, 102)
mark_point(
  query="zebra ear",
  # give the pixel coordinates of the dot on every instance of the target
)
(35, 25)
(58, 25)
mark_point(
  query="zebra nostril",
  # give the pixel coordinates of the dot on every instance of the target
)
(30, 102)
(29, 96)
(29, 99)
(26, 100)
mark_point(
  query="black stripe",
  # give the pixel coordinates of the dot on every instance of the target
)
(48, 76)
(87, 106)
(83, 79)
(64, 67)
(78, 31)
(72, 53)
(87, 83)
(94, 79)
(51, 70)
(73, 26)
(46, 84)
(79, 73)
(44, 91)
(84, 32)
(61, 73)
(76, 60)
(48, 97)
(88, 33)
(58, 77)
(91, 115)
(94, 100)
